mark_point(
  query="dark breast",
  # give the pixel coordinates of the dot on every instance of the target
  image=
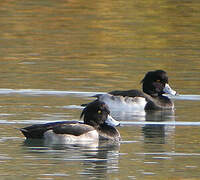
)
(159, 103)
(108, 133)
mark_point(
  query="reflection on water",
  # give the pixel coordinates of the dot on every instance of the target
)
(158, 132)
(155, 124)
(95, 161)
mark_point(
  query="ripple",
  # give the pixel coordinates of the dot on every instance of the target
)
(73, 107)
(55, 174)
(29, 121)
(122, 123)
(168, 123)
(81, 93)
(170, 154)
(32, 92)
(189, 97)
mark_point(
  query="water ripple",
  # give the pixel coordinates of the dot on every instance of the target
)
(188, 97)
(170, 154)
(122, 123)
(168, 123)
(32, 92)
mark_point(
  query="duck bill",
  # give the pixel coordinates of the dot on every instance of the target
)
(111, 122)
(169, 90)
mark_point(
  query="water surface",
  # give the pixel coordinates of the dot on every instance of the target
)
(54, 55)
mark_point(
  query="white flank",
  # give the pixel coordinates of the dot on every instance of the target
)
(86, 138)
(123, 103)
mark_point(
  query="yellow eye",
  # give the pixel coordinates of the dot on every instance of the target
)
(158, 80)
(99, 111)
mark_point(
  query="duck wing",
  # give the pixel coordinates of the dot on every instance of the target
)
(129, 93)
(37, 131)
(76, 129)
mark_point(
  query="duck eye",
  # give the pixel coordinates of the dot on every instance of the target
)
(99, 111)
(158, 80)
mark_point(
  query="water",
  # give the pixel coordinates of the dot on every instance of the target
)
(54, 55)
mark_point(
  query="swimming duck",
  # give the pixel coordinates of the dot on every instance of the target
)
(154, 84)
(98, 124)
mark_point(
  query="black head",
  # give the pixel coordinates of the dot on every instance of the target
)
(154, 82)
(95, 113)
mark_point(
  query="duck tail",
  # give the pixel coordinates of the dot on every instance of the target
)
(33, 132)
(25, 132)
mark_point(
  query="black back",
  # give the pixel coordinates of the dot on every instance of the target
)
(129, 93)
(37, 131)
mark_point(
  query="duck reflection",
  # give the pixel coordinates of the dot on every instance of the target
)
(93, 161)
(156, 132)
(103, 162)
(152, 132)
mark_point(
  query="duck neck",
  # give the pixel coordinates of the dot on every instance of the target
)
(93, 124)
(108, 132)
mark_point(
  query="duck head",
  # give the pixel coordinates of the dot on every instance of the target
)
(155, 83)
(97, 113)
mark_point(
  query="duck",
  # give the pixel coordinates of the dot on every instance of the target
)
(97, 125)
(155, 85)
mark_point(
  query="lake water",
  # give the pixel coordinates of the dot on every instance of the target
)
(55, 54)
